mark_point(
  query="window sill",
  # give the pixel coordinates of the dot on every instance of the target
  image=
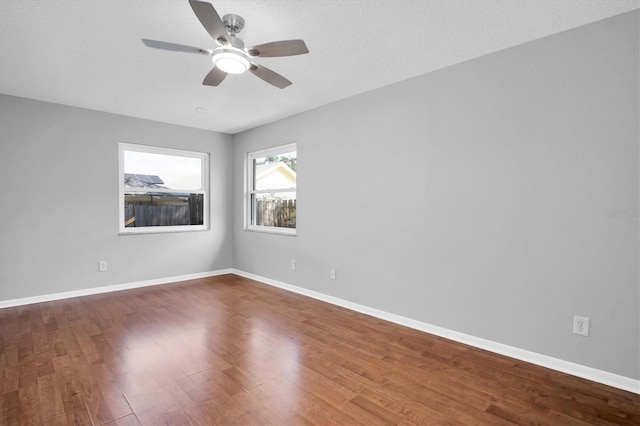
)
(290, 232)
(162, 230)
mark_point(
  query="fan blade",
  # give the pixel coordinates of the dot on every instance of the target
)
(174, 47)
(269, 76)
(279, 48)
(210, 20)
(214, 77)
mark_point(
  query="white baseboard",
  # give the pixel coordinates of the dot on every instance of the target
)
(595, 375)
(109, 288)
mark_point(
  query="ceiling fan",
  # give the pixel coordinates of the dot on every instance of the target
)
(231, 57)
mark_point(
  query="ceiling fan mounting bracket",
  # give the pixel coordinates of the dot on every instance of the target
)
(233, 23)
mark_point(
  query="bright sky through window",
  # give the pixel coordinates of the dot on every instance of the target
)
(176, 172)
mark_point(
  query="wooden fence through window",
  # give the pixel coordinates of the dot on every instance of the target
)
(279, 213)
(164, 211)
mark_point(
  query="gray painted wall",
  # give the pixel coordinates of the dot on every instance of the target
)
(59, 201)
(475, 198)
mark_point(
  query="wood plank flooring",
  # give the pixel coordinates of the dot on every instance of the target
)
(227, 350)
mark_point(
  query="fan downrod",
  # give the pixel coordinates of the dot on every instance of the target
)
(233, 23)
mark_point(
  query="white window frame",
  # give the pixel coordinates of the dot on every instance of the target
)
(250, 191)
(203, 156)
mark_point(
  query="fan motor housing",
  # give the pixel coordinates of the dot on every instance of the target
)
(236, 42)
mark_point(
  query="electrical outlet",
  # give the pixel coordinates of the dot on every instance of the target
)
(102, 266)
(293, 265)
(332, 274)
(581, 325)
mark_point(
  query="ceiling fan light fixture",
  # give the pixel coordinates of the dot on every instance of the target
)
(230, 61)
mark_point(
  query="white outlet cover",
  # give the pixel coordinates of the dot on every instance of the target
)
(581, 325)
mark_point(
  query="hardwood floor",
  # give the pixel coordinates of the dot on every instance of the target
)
(227, 350)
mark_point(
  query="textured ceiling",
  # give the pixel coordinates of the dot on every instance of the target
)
(89, 54)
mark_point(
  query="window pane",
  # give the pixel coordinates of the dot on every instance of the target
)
(273, 172)
(271, 192)
(162, 209)
(274, 209)
(150, 170)
(162, 189)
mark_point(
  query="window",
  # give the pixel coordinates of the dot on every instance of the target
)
(162, 190)
(271, 191)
